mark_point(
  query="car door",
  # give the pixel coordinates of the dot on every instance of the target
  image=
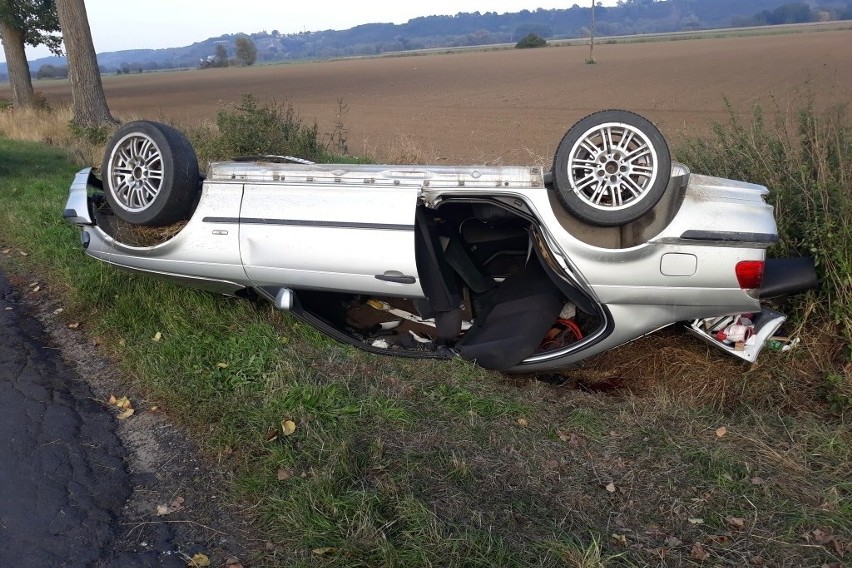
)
(334, 233)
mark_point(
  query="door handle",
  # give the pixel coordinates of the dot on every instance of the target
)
(396, 277)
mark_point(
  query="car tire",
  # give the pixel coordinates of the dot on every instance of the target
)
(150, 174)
(611, 168)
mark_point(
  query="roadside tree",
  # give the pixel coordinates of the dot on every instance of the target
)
(220, 57)
(246, 51)
(22, 23)
(87, 92)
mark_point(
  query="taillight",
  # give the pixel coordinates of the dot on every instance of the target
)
(749, 274)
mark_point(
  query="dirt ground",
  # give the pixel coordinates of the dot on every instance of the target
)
(509, 106)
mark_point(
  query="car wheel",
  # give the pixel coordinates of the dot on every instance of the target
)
(611, 168)
(150, 174)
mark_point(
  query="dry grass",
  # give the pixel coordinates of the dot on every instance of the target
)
(37, 125)
(51, 127)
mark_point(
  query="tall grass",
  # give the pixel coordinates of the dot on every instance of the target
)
(804, 155)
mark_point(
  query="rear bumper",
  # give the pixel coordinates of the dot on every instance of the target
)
(787, 276)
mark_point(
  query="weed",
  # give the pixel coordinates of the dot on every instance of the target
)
(837, 390)
(250, 128)
(805, 156)
(92, 135)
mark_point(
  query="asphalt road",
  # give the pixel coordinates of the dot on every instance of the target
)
(63, 477)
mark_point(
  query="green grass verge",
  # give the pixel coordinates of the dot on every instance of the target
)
(426, 463)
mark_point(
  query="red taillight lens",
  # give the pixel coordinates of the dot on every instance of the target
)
(749, 273)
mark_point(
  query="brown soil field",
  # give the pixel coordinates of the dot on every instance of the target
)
(509, 106)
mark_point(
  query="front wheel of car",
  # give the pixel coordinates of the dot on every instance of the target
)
(611, 168)
(150, 174)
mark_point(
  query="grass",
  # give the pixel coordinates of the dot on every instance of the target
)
(396, 462)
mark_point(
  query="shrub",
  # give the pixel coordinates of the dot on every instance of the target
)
(804, 157)
(252, 129)
(531, 40)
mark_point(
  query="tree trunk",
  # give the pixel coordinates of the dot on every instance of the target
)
(87, 91)
(18, 66)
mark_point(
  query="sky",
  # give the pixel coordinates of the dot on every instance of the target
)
(118, 24)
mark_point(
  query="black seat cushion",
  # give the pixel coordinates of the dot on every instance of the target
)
(523, 308)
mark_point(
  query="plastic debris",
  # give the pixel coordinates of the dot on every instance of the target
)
(741, 331)
(419, 339)
(782, 344)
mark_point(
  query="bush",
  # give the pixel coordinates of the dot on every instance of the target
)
(804, 157)
(531, 40)
(252, 129)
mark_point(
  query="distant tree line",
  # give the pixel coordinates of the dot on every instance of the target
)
(795, 13)
(627, 17)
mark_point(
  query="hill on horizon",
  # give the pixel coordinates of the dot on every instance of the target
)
(628, 17)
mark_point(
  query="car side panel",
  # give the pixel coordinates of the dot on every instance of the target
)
(338, 237)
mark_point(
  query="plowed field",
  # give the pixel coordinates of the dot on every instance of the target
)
(509, 105)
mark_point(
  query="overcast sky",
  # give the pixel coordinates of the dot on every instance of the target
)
(122, 24)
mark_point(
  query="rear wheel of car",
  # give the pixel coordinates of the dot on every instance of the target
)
(611, 168)
(150, 173)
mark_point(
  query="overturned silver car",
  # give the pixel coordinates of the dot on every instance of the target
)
(513, 267)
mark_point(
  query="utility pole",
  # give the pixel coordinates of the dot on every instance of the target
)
(592, 42)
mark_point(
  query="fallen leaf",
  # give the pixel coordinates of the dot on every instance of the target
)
(157, 336)
(757, 481)
(122, 402)
(696, 521)
(659, 552)
(522, 422)
(233, 562)
(36, 288)
(284, 474)
(58, 311)
(564, 436)
(720, 539)
(821, 537)
(125, 414)
(112, 399)
(735, 522)
(610, 487)
(24, 253)
(620, 539)
(173, 507)
(271, 435)
(222, 365)
(6, 251)
(199, 560)
(74, 325)
(721, 431)
(288, 427)
(673, 541)
(698, 552)
(323, 550)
